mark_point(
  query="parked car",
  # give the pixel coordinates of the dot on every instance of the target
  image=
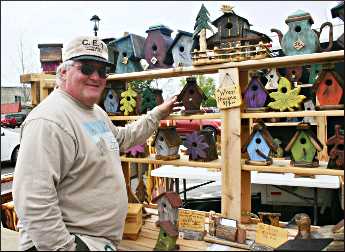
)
(8, 121)
(9, 145)
(20, 117)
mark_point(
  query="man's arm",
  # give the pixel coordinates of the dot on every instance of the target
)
(45, 155)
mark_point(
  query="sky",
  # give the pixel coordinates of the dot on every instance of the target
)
(40, 22)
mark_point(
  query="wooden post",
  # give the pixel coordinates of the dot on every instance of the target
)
(231, 155)
(322, 136)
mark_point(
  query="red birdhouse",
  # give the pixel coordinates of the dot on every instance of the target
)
(328, 88)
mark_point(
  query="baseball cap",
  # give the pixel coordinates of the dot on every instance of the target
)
(86, 48)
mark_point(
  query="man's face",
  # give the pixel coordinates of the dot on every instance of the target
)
(84, 82)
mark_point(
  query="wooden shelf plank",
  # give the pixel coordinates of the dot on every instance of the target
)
(324, 57)
(279, 124)
(172, 117)
(183, 161)
(294, 114)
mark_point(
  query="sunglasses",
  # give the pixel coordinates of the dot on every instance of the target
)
(89, 69)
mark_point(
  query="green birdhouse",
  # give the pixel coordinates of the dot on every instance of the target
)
(304, 146)
(167, 237)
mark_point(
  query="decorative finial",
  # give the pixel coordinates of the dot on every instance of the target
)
(227, 8)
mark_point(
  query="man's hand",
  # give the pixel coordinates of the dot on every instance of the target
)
(168, 106)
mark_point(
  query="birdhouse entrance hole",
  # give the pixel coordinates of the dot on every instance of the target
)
(303, 140)
(254, 88)
(154, 47)
(228, 26)
(284, 90)
(258, 140)
(181, 49)
(298, 28)
(328, 82)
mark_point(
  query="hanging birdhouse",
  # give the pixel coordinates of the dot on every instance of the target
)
(137, 151)
(329, 90)
(191, 96)
(167, 143)
(50, 57)
(259, 146)
(110, 101)
(150, 98)
(255, 95)
(179, 54)
(336, 145)
(272, 79)
(167, 237)
(128, 101)
(130, 52)
(304, 146)
(168, 204)
(314, 72)
(286, 98)
(294, 75)
(338, 11)
(309, 106)
(156, 46)
(201, 146)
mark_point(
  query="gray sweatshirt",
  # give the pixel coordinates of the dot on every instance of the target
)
(68, 177)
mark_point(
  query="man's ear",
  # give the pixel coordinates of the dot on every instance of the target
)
(63, 73)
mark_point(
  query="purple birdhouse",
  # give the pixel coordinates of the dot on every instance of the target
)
(255, 94)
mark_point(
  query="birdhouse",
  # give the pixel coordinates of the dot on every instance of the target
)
(255, 95)
(191, 96)
(128, 102)
(150, 98)
(304, 146)
(272, 79)
(338, 11)
(167, 143)
(336, 153)
(130, 51)
(233, 28)
(280, 150)
(113, 53)
(328, 89)
(259, 145)
(156, 46)
(50, 57)
(133, 222)
(179, 54)
(167, 237)
(314, 72)
(110, 101)
(168, 204)
(201, 146)
(294, 74)
(309, 106)
(137, 151)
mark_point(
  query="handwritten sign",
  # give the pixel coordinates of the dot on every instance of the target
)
(191, 220)
(270, 235)
(228, 95)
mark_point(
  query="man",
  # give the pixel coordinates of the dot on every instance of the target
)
(69, 190)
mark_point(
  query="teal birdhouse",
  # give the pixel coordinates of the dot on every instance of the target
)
(167, 237)
(259, 146)
(304, 146)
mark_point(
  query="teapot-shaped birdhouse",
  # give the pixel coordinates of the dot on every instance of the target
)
(301, 38)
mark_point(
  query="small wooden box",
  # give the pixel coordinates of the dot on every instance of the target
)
(134, 221)
(225, 230)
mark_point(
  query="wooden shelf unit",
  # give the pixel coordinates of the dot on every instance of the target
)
(235, 174)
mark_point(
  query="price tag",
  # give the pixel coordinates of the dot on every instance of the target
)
(270, 235)
(228, 95)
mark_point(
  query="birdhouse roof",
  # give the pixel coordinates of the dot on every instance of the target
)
(168, 227)
(169, 57)
(225, 15)
(173, 198)
(170, 135)
(261, 127)
(191, 82)
(305, 127)
(50, 45)
(323, 74)
(162, 28)
(257, 80)
(249, 32)
(338, 137)
(137, 43)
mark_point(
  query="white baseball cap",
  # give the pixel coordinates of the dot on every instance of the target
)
(86, 48)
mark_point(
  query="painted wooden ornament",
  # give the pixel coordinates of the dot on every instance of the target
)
(167, 143)
(255, 95)
(301, 38)
(201, 146)
(272, 79)
(128, 101)
(286, 98)
(309, 106)
(304, 146)
(315, 70)
(329, 90)
(139, 150)
(336, 153)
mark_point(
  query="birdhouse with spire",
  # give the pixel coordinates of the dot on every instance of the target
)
(156, 46)
(191, 96)
(304, 146)
(179, 53)
(255, 95)
(130, 51)
(167, 143)
(328, 88)
(259, 146)
(168, 204)
(336, 149)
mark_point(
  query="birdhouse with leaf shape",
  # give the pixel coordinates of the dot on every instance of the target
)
(168, 204)
(259, 146)
(130, 51)
(167, 143)
(128, 102)
(191, 96)
(201, 146)
(156, 46)
(138, 151)
(167, 237)
(304, 146)
(179, 54)
(328, 89)
(255, 95)
(336, 149)
(150, 98)
(286, 97)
